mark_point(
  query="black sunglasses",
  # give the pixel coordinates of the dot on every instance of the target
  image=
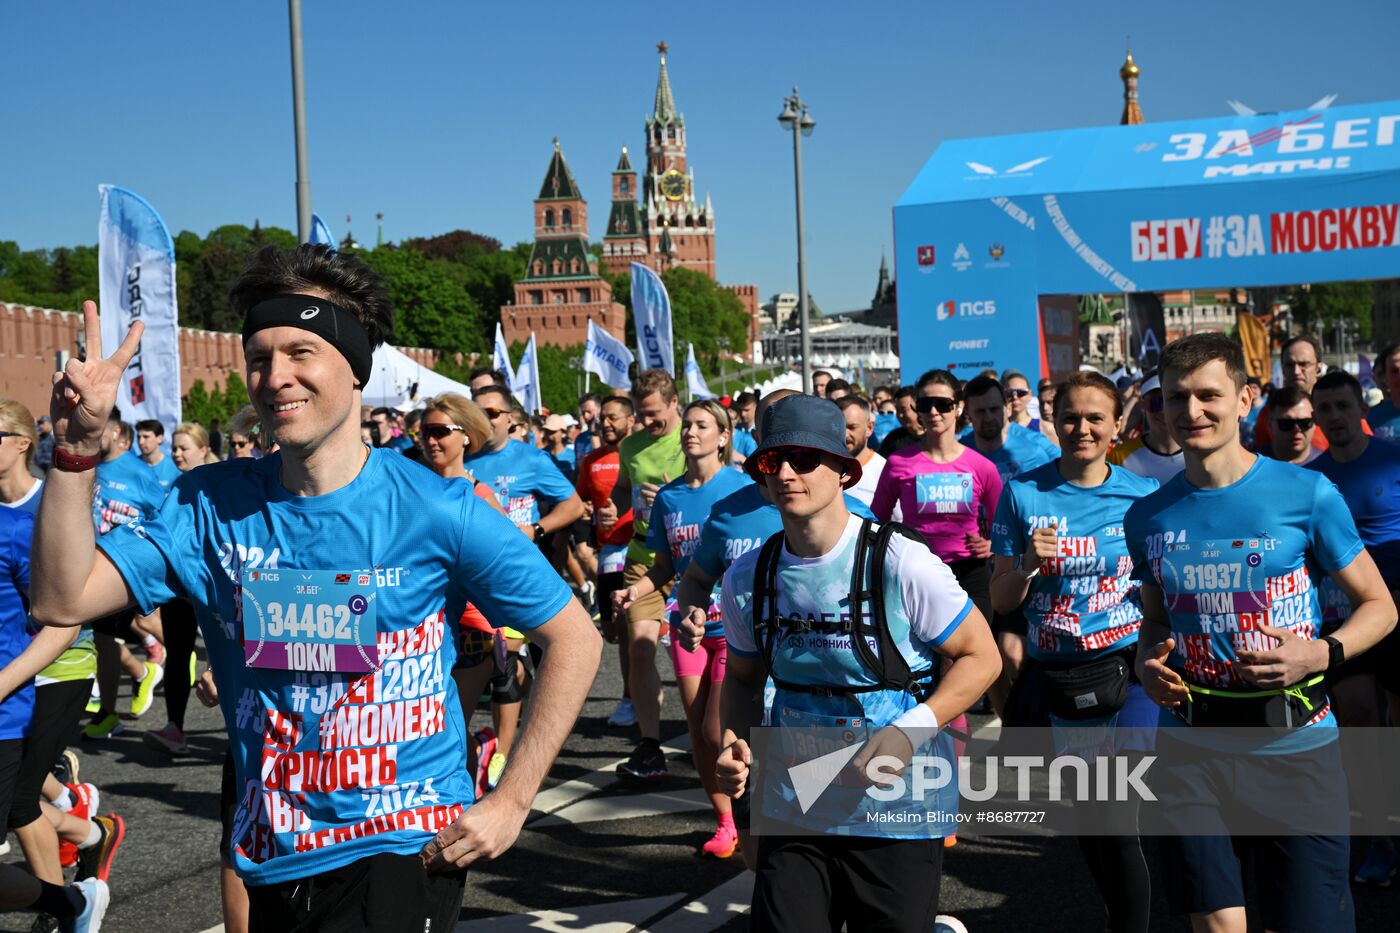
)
(439, 431)
(494, 413)
(926, 404)
(1295, 424)
(1018, 393)
(801, 459)
(5, 434)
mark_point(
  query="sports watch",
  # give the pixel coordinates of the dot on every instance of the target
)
(1336, 653)
(539, 531)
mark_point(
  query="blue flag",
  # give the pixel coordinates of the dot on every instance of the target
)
(651, 311)
(607, 357)
(693, 377)
(136, 267)
(320, 233)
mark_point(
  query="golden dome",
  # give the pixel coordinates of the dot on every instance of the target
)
(1130, 68)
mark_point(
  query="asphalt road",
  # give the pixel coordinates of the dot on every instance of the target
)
(598, 857)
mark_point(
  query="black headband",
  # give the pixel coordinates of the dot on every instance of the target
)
(325, 319)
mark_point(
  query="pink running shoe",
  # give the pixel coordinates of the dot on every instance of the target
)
(722, 844)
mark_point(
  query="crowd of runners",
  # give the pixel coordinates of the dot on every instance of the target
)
(403, 611)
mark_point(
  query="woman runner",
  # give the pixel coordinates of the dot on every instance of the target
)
(677, 516)
(1058, 537)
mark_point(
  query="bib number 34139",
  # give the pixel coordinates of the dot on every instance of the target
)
(310, 620)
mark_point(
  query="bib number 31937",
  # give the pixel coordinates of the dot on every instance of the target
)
(310, 620)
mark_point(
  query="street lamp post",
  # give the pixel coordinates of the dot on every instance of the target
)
(299, 125)
(796, 118)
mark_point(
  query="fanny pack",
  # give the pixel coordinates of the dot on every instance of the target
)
(1287, 708)
(1089, 689)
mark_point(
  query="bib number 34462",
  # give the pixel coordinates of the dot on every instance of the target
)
(310, 620)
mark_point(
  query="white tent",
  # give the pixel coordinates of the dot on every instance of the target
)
(393, 374)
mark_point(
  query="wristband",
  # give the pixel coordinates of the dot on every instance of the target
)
(918, 725)
(73, 463)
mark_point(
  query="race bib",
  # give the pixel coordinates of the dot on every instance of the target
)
(310, 620)
(810, 735)
(945, 493)
(612, 558)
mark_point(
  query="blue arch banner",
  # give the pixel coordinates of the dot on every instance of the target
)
(990, 224)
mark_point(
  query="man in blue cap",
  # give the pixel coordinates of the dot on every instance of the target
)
(853, 871)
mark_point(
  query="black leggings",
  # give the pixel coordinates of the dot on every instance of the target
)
(58, 708)
(177, 619)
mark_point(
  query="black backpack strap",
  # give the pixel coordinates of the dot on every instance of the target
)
(764, 606)
(894, 670)
(866, 550)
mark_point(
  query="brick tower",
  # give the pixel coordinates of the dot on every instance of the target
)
(625, 239)
(561, 290)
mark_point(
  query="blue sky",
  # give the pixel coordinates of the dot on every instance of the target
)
(441, 114)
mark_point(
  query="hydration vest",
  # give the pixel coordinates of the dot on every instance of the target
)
(888, 665)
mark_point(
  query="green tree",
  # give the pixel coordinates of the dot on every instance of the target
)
(431, 307)
(1319, 307)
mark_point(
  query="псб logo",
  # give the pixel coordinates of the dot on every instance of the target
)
(949, 309)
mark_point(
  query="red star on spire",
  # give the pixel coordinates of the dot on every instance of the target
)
(662, 47)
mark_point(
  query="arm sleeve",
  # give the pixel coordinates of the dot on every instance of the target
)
(1334, 539)
(492, 558)
(886, 493)
(552, 484)
(934, 601)
(991, 487)
(738, 631)
(1008, 531)
(709, 553)
(160, 559)
(1135, 534)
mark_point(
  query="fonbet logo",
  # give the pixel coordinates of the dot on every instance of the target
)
(951, 309)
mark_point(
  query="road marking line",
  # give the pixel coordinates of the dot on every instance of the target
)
(713, 910)
(611, 917)
(562, 795)
(597, 809)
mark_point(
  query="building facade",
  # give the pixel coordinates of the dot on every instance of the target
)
(561, 291)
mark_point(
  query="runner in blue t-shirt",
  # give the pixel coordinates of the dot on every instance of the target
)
(125, 490)
(150, 435)
(323, 576)
(1366, 471)
(677, 515)
(1384, 418)
(1229, 554)
(1060, 551)
(82, 905)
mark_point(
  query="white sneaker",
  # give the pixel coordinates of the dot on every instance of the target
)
(624, 715)
(96, 896)
(944, 923)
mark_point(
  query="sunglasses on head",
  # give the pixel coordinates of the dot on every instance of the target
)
(1295, 424)
(439, 431)
(926, 404)
(801, 459)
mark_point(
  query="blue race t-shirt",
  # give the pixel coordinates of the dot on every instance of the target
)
(400, 442)
(166, 471)
(582, 446)
(125, 489)
(744, 444)
(742, 521)
(1084, 602)
(677, 516)
(566, 463)
(1022, 451)
(335, 767)
(885, 422)
(522, 475)
(1231, 560)
(16, 533)
(1384, 420)
(1370, 484)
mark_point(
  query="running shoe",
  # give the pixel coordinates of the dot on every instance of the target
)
(96, 860)
(624, 716)
(96, 896)
(146, 689)
(103, 727)
(85, 796)
(94, 703)
(950, 840)
(194, 675)
(495, 769)
(155, 653)
(944, 923)
(1378, 867)
(485, 752)
(168, 739)
(66, 767)
(722, 844)
(647, 763)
